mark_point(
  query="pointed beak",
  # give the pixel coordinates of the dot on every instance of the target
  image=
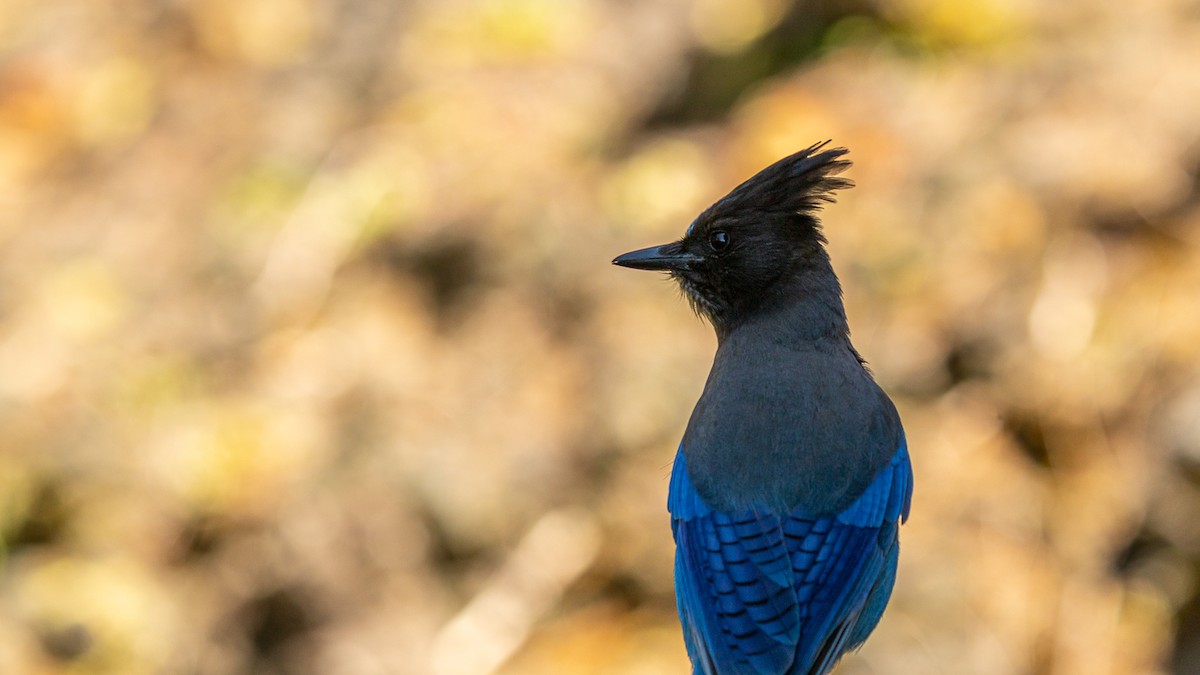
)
(666, 258)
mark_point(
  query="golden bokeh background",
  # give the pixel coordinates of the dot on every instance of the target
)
(312, 359)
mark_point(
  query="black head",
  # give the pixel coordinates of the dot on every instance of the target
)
(757, 241)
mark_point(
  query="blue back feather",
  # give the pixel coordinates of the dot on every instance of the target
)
(768, 593)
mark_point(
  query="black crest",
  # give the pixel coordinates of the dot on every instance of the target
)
(759, 244)
(799, 184)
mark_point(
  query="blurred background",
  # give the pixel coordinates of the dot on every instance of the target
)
(312, 359)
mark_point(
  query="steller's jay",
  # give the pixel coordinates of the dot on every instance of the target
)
(793, 475)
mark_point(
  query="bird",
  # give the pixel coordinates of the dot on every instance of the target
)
(793, 476)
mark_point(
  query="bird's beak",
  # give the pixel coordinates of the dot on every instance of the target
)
(667, 258)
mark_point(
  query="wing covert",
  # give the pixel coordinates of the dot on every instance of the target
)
(765, 594)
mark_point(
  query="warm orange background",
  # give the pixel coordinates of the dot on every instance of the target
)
(312, 359)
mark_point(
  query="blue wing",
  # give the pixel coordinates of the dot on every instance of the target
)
(762, 593)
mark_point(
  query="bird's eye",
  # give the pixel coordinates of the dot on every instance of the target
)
(718, 239)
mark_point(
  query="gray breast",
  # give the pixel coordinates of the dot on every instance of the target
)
(788, 427)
